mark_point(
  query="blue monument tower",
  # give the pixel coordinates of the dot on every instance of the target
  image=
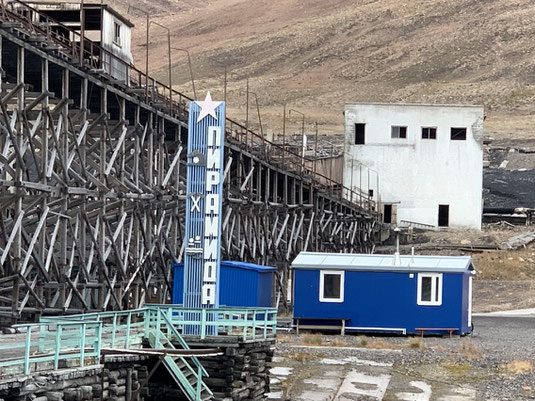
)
(204, 189)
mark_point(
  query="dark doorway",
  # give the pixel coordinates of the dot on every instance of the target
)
(359, 134)
(387, 217)
(443, 215)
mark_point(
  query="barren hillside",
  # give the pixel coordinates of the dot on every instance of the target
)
(315, 55)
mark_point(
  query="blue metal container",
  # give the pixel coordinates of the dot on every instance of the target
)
(376, 293)
(241, 284)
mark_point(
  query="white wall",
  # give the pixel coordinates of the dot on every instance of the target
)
(419, 174)
(114, 67)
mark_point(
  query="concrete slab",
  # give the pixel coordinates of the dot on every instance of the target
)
(280, 371)
(309, 395)
(354, 361)
(459, 394)
(328, 383)
(422, 392)
(275, 395)
(357, 385)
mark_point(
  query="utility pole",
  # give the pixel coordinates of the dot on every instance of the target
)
(191, 72)
(82, 32)
(258, 111)
(225, 86)
(146, 50)
(169, 62)
(247, 112)
(302, 135)
(316, 148)
(284, 128)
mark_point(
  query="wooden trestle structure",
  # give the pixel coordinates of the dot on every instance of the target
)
(92, 183)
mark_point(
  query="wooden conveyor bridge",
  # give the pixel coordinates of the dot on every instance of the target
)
(92, 182)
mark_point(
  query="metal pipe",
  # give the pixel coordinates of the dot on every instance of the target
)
(146, 50)
(225, 86)
(246, 111)
(147, 60)
(284, 126)
(258, 110)
(169, 58)
(191, 73)
(302, 135)
(82, 32)
(316, 148)
(331, 163)
(351, 185)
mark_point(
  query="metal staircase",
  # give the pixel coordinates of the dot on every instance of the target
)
(122, 332)
(186, 371)
(186, 377)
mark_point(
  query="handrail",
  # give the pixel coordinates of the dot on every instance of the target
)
(72, 337)
(409, 223)
(246, 320)
(94, 54)
(181, 341)
(70, 340)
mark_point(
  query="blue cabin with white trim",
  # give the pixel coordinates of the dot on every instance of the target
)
(385, 293)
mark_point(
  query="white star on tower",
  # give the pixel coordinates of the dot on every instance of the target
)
(207, 106)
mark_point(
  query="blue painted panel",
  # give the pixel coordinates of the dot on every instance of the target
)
(380, 299)
(178, 283)
(239, 287)
(265, 288)
(241, 284)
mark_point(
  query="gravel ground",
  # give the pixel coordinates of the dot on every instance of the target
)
(496, 362)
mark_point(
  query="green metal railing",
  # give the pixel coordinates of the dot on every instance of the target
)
(80, 338)
(121, 329)
(46, 344)
(248, 323)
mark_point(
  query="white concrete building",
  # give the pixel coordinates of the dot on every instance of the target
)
(426, 161)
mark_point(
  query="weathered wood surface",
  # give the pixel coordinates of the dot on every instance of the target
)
(518, 241)
(242, 373)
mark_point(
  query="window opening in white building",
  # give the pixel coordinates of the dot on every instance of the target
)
(359, 134)
(117, 33)
(399, 132)
(429, 133)
(458, 134)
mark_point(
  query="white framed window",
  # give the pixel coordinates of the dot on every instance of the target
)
(429, 132)
(332, 285)
(429, 289)
(399, 132)
(117, 33)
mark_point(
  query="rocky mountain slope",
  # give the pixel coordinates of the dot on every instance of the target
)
(315, 55)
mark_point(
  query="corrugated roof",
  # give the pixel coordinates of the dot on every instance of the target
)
(366, 262)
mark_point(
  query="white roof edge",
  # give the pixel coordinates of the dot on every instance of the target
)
(414, 104)
(375, 262)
